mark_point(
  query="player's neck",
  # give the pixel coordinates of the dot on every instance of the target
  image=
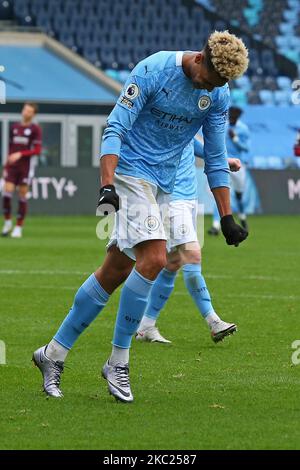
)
(26, 123)
(186, 63)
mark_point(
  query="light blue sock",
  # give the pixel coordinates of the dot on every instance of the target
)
(196, 286)
(89, 300)
(133, 303)
(160, 292)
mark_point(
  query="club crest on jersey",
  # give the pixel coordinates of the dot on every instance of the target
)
(27, 131)
(204, 102)
(132, 91)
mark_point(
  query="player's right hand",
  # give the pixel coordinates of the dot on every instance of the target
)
(233, 233)
(109, 200)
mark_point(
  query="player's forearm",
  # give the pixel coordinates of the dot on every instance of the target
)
(222, 197)
(108, 164)
(29, 153)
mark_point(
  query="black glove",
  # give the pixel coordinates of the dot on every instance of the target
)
(109, 201)
(233, 233)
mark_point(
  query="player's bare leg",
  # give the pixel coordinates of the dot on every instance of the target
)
(114, 270)
(90, 299)
(8, 192)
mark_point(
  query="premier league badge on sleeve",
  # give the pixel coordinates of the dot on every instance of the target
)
(132, 91)
(204, 103)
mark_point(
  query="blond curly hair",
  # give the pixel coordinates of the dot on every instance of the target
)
(228, 54)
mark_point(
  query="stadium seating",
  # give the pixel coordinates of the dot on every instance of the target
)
(97, 30)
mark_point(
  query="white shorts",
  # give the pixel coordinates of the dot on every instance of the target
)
(183, 223)
(142, 215)
(238, 180)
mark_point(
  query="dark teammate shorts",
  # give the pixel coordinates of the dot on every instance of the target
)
(18, 173)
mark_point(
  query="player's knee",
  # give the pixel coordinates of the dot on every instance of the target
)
(151, 267)
(190, 253)
(158, 262)
(192, 257)
(174, 261)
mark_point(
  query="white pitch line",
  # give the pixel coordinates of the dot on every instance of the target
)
(86, 273)
(250, 296)
(35, 287)
(44, 272)
(177, 292)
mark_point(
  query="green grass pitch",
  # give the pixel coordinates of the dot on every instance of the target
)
(240, 394)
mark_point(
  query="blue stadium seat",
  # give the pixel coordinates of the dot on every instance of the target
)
(123, 75)
(282, 42)
(267, 97)
(244, 83)
(67, 39)
(107, 58)
(6, 10)
(91, 54)
(284, 83)
(294, 42)
(286, 29)
(113, 73)
(238, 97)
(220, 25)
(293, 4)
(44, 22)
(261, 163)
(60, 23)
(292, 55)
(21, 9)
(198, 15)
(282, 97)
(275, 163)
(290, 16)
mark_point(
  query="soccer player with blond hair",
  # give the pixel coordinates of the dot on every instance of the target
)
(166, 99)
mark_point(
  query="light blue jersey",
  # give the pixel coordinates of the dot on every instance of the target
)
(156, 117)
(239, 147)
(185, 187)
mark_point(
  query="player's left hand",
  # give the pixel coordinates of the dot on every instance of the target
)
(234, 164)
(14, 157)
(233, 233)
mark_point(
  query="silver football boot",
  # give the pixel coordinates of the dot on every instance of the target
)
(117, 377)
(51, 372)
